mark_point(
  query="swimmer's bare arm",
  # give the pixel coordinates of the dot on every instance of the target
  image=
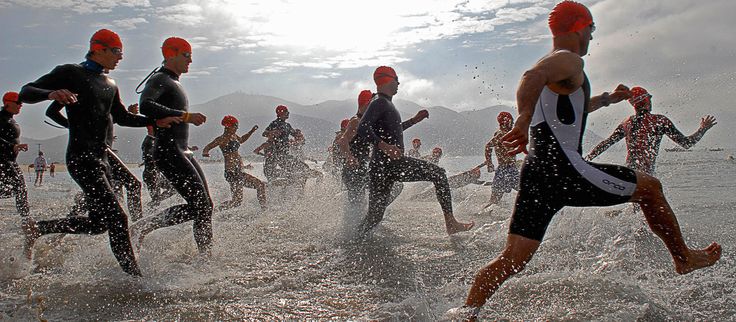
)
(246, 136)
(616, 136)
(489, 156)
(552, 70)
(687, 142)
(260, 148)
(421, 115)
(343, 142)
(215, 143)
(619, 94)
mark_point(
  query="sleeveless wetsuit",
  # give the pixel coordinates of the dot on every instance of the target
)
(554, 173)
(11, 176)
(90, 120)
(164, 96)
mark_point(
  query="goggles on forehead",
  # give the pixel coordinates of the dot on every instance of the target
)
(641, 98)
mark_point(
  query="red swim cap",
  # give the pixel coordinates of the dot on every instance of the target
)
(344, 124)
(504, 117)
(103, 39)
(569, 16)
(416, 140)
(10, 97)
(173, 46)
(229, 121)
(364, 97)
(640, 98)
(281, 110)
(384, 75)
(437, 150)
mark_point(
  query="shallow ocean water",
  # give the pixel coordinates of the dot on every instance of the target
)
(296, 260)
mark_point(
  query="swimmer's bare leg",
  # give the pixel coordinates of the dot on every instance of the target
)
(662, 221)
(516, 254)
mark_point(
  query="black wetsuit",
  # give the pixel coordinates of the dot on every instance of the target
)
(382, 122)
(11, 176)
(554, 174)
(119, 173)
(164, 96)
(158, 187)
(356, 177)
(90, 120)
(279, 163)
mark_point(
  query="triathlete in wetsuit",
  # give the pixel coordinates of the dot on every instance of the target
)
(229, 143)
(506, 177)
(356, 153)
(644, 132)
(279, 163)
(11, 176)
(335, 160)
(119, 173)
(381, 126)
(158, 187)
(93, 104)
(164, 96)
(553, 101)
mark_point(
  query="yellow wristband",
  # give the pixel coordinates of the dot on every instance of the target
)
(185, 117)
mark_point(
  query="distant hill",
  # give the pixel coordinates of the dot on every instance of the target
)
(458, 133)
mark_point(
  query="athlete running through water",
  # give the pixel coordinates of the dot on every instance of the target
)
(356, 153)
(93, 104)
(229, 143)
(553, 101)
(279, 164)
(11, 176)
(164, 96)
(507, 175)
(119, 173)
(381, 126)
(644, 131)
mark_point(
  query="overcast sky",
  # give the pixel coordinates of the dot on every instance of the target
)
(461, 54)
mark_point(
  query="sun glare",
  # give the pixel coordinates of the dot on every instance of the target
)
(333, 25)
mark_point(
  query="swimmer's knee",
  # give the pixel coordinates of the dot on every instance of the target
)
(514, 262)
(648, 183)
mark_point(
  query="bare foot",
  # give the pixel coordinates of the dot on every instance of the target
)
(698, 259)
(463, 313)
(30, 230)
(457, 227)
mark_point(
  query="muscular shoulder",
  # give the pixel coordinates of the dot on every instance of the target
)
(562, 69)
(661, 119)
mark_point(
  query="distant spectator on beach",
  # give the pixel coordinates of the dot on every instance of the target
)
(40, 165)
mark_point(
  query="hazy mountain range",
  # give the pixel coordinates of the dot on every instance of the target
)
(458, 133)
